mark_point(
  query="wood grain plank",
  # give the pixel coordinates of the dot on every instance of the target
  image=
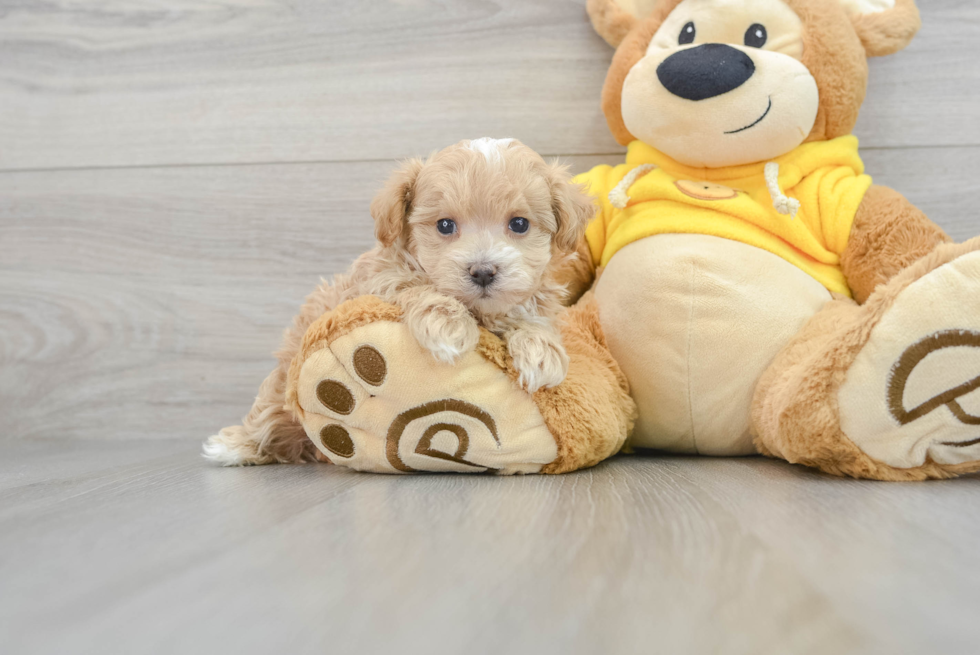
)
(273, 81)
(192, 82)
(917, 98)
(244, 559)
(914, 527)
(163, 553)
(145, 303)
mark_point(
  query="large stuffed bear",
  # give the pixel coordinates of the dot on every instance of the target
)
(753, 291)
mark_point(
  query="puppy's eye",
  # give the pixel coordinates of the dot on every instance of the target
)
(687, 34)
(520, 225)
(756, 36)
(446, 226)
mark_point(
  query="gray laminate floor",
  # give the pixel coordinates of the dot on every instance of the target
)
(138, 547)
(174, 178)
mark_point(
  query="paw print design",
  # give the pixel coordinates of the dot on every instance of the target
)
(374, 400)
(953, 396)
(913, 392)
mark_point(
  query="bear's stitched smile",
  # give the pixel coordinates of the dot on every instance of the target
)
(758, 120)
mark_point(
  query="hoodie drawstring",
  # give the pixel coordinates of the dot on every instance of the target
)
(619, 196)
(783, 203)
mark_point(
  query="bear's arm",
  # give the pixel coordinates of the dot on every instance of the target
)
(579, 273)
(889, 234)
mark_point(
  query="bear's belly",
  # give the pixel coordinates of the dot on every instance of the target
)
(694, 321)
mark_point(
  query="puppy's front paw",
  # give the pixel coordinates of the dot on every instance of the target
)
(444, 328)
(539, 357)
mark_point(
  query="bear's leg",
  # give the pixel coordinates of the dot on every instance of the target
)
(371, 398)
(591, 413)
(887, 390)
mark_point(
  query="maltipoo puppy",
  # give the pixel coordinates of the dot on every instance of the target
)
(480, 234)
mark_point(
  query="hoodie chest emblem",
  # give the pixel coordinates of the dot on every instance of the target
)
(705, 190)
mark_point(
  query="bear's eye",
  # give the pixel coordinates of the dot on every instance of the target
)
(446, 226)
(687, 34)
(756, 36)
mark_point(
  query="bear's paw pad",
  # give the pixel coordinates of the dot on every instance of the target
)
(374, 400)
(913, 393)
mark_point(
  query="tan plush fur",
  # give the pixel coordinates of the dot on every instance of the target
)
(888, 32)
(836, 47)
(611, 20)
(629, 52)
(833, 54)
(591, 413)
(795, 414)
(889, 234)
(480, 186)
(330, 326)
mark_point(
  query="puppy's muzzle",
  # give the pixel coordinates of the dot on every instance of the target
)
(483, 275)
(704, 72)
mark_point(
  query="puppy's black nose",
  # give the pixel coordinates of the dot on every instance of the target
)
(483, 275)
(706, 71)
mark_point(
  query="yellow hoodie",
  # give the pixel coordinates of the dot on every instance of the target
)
(823, 183)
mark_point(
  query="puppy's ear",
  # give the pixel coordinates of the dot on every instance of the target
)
(573, 208)
(392, 205)
(884, 26)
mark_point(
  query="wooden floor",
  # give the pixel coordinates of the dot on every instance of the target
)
(174, 178)
(139, 548)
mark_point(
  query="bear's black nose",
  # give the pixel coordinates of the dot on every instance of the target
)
(706, 71)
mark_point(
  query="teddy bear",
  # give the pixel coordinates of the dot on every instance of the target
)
(750, 290)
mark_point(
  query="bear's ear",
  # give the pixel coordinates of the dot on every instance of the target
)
(884, 26)
(613, 19)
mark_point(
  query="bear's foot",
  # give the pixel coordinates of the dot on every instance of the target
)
(371, 398)
(912, 395)
(891, 389)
